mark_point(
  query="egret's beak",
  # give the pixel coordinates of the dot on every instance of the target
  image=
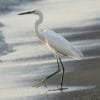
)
(29, 12)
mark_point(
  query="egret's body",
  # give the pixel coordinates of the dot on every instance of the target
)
(58, 44)
(61, 46)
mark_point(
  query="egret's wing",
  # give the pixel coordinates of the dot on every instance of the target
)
(61, 45)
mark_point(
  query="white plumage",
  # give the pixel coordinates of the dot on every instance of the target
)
(60, 45)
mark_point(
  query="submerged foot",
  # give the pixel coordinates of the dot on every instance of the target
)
(40, 83)
(60, 89)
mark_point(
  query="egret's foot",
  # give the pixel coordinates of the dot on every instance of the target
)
(60, 89)
(40, 83)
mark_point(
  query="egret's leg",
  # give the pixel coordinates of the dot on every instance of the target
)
(62, 77)
(42, 82)
(54, 72)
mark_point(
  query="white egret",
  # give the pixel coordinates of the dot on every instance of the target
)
(58, 45)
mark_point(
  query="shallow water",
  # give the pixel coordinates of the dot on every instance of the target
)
(24, 59)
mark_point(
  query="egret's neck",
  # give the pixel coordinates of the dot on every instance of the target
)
(37, 25)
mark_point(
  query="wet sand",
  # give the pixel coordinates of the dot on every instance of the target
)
(81, 78)
(24, 60)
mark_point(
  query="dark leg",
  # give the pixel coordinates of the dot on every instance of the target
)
(44, 80)
(62, 77)
(54, 72)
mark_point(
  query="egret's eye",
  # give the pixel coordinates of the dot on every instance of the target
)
(34, 11)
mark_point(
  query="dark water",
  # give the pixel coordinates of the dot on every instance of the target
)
(24, 59)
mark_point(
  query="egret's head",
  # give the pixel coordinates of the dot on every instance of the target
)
(35, 11)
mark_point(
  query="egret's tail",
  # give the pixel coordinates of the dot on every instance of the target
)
(78, 55)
